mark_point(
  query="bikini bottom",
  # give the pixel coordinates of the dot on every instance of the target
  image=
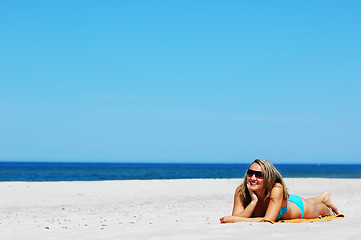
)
(296, 200)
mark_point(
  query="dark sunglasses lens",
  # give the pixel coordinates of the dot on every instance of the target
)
(256, 173)
(250, 173)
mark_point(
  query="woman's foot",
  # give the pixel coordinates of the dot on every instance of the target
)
(326, 199)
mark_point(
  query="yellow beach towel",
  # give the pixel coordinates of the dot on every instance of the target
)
(320, 219)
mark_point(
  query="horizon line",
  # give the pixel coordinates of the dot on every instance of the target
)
(189, 163)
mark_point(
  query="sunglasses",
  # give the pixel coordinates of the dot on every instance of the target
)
(258, 174)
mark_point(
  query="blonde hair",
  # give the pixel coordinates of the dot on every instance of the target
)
(271, 176)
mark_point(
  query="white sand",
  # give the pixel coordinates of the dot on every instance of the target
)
(160, 209)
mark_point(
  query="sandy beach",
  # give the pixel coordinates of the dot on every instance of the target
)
(160, 209)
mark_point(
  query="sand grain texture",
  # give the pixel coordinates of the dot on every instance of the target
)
(160, 209)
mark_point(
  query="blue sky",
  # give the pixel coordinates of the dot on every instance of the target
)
(180, 81)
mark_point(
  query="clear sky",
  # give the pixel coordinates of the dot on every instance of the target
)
(180, 81)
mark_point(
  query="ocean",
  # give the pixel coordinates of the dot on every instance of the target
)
(46, 171)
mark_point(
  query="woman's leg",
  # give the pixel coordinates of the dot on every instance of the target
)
(324, 198)
(316, 210)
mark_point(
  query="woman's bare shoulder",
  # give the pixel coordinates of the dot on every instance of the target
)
(278, 185)
(238, 191)
(277, 190)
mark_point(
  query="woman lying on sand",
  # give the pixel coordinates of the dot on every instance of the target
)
(263, 195)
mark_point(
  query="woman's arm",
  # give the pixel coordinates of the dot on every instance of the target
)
(238, 208)
(275, 203)
(272, 211)
(232, 219)
(240, 213)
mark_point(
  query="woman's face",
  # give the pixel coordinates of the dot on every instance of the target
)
(255, 180)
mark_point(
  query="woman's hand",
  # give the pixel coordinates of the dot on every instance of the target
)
(230, 219)
(253, 195)
(233, 219)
